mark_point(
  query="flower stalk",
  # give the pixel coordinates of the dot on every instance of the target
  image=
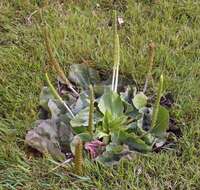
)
(54, 63)
(116, 56)
(91, 111)
(150, 66)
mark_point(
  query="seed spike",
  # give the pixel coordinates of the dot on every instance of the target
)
(54, 63)
(78, 160)
(150, 66)
(115, 21)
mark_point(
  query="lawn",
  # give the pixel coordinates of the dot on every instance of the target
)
(81, 33)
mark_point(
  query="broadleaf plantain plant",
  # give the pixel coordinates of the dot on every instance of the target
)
(110, 123)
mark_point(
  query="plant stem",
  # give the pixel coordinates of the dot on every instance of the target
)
(55, 93)
(55, 65)
(150, 66)
(114, 66)
(157, 103)
(116, 61)
(116, 56)
(91, 111)
(79, 157)
(113, 78)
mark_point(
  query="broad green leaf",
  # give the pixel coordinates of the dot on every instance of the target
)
(162, 123)
(118, 123)
(44, 137)
(114, 153)
(149, 139)
(134, 128)
(81, 103)
(111, 123)
(100, 134)
(105, 123)
(112, 103)
(85, 137)
(131, 111)
(114, 148)
(140, 100)
(78, 130)
(56, 108)
(107, 158)
(83, 75)
(133, 141)
(128, 95)
(45, 96)
(99, 90)
(64, 133)
(81, 119)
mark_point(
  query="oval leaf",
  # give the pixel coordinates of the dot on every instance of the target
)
(81, 119)
(83, 76)
(112, 103)
(45, 96)
(140, 100)
(162, 123)
(133, 141)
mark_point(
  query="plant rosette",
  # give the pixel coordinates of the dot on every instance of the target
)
(112, 125)
(110, 118)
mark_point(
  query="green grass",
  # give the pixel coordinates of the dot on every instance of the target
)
(80, 34)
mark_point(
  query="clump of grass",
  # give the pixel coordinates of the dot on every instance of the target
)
(45, 3)
(25, 3)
